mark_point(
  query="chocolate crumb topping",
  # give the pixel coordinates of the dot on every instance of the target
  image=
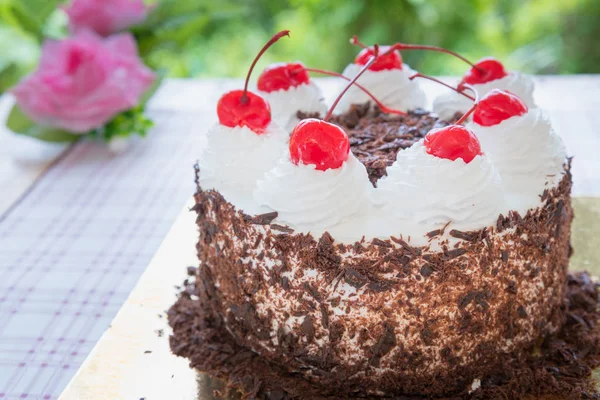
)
(264, 219)
(384, 344)
(434, 233)
(450, 254)
(468, 236)
(308, 328)
(379, 242)
(191, 271)
(355, 278)
(426, 270)
(281, 228)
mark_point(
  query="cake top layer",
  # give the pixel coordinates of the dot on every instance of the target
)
(371, 174)
(376, 138)
(390, 185)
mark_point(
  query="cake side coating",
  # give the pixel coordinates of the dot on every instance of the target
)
(559, 366)
(383, 317)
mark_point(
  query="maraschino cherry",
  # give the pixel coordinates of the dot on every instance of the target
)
(454, 141)
(282, 76)
(320, 143)
(244, 108)
(390, 59)
(497, 106)
(485, 70)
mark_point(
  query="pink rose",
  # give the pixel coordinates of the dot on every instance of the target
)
(105, 16)
(84, 81)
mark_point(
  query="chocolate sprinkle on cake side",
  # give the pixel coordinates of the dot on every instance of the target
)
(560, 367)
(421, 323)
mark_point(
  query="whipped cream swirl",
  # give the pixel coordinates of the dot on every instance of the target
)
(528, 154)
(235, 158)
(308, 200)
(448, 104)
(285, 104)
(427, 192)
(391, 87)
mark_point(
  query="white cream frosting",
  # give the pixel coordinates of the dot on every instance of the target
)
(425, 192)
(234, 159)
(391, 87)
(308, 200)
(529, 155)
(286, 103)
(450, 103)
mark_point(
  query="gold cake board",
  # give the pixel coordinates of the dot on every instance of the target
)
(132, 360)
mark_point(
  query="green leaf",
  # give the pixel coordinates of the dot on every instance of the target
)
(9, 75)
(28, 15)
(39, 9)
(20, 124)
(18, 55)
(130, 122)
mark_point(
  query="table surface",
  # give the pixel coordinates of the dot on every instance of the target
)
(75, 243)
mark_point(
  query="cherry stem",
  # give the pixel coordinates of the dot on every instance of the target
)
(357, 42)
(379, 104)
(457, 90)
(275, 38)
(473, 108)
(404, 46)
(352, 81)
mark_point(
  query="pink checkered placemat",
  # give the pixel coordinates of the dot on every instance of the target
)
(75, 246)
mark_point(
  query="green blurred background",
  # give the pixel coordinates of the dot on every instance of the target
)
(215, 38)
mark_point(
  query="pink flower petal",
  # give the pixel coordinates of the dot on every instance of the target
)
(84, 81)
(105, 16)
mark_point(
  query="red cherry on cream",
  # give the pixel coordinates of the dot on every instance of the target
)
(452, 142)
(387, 60)
(319, 143)
(497, 106)
(282, 76)
(244, 108)
(485, 70)
(255, 112)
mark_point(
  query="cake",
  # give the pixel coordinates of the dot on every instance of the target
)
(376, 255)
